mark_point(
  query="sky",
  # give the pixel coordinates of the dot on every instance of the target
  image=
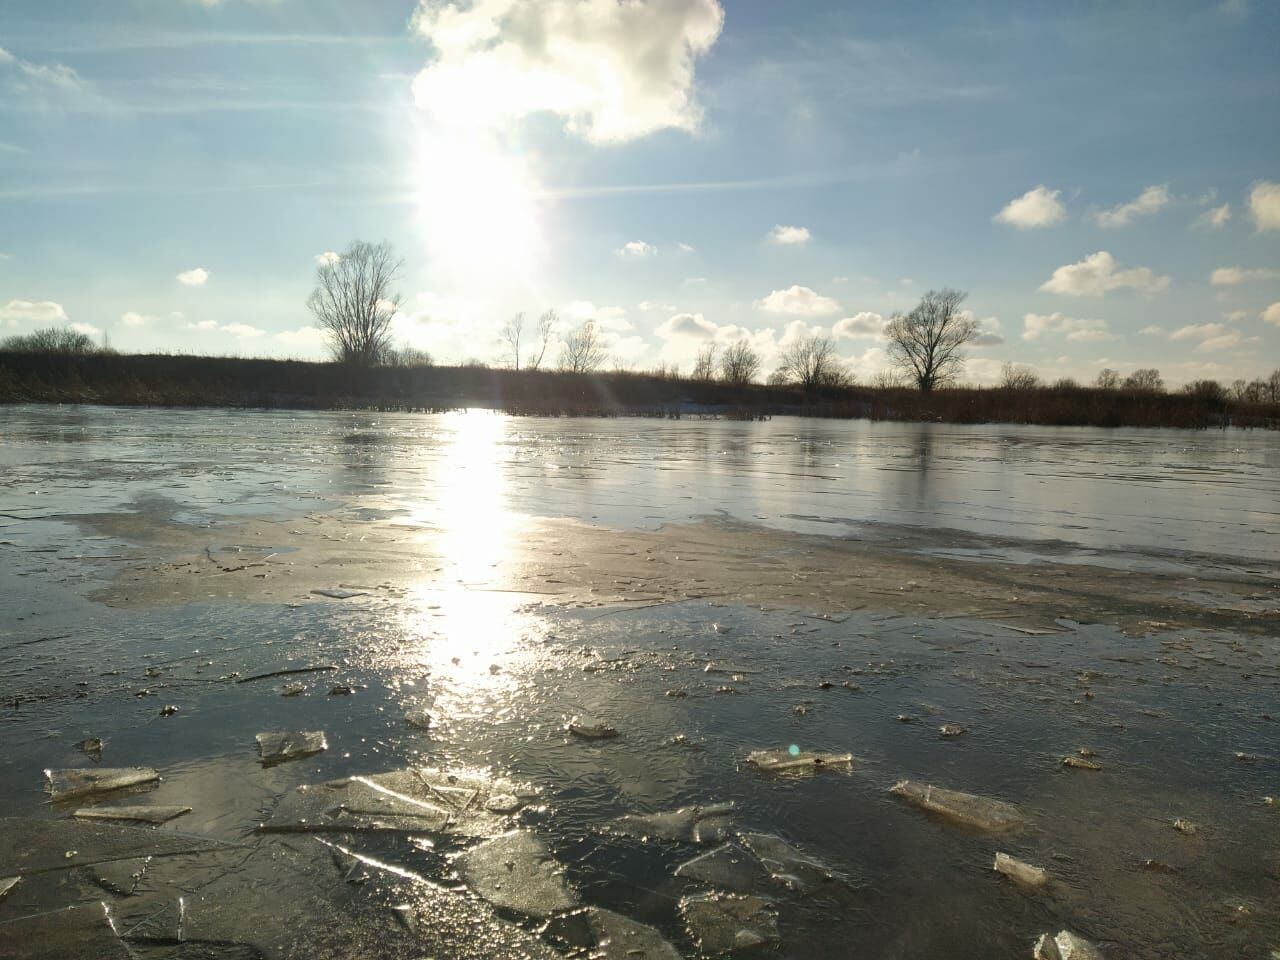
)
(1102, 178)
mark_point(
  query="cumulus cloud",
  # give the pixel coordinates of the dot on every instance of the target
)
(134, 319)
(1214, 219)
(1096, 274)
(611, 71)
(1152, 200)
(88, 329)
(686, 248)
(242, 331)
(648, 305)
(789, 236)
(310, 339)
(1038, 207)
(1198, 331)
(196, 277)
(1272, 314)
(637, 249)
(1077, 329)
(864, 324)
(1230, 276)
(327, 258)
(798, 300)
(1264, 205)
(1212, 336)
(1151, 330)
(987, 338)
(687, 325)
(39, 311)
(613, 319)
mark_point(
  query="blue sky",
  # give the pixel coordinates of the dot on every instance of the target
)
(1102, 178)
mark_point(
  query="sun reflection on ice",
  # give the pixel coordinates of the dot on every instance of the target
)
(473, 634)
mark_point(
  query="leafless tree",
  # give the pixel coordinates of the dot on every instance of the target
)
(1273, 387)
(740, 363)
(61, 340)
(511, 337)
(1144, 380)
(704, 367)
(406, 356)
(546, 330)
(1015, 376)
(1108, 379)
(927, 342)
(887, 379)
(583, 349)
(353, 303)
(1066, 383)
(811, 362)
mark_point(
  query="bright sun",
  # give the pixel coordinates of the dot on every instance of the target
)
(477, 208)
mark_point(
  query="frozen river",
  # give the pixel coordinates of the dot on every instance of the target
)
(951, 605)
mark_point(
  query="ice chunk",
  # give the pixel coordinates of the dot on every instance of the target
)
(353, 805)
(337, 593)
(605, 935)
(591, 728)
(1066, 946)
(968, 809)
(80, 931)
(66, 784)
(418, 718)
(724, 922)
(698, 824)
(1020, 872)
(29, 845)
(281, 746)
(517, 872)
(797, 761)
(729, 867)
(787, 865)
(156, 814)
(7, 884)
(120, 877)
(1080, 763)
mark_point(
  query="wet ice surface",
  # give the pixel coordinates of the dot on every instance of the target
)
(399, 864)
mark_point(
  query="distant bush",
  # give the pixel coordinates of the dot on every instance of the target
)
(61, 340)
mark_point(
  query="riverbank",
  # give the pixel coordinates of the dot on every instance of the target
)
(190, 381)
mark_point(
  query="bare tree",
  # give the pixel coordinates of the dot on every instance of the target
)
(407, 356)
(1210, 391)
(1273, 387)
(887, 379)
(61, 340)
(583, 349)
(1144, 380)
(740, 363)
(1015, 376)
(812, 362)
(511, 336)
(353, 303)
(546, 330)
(927, 342)
(704, 367)
(1108, 379)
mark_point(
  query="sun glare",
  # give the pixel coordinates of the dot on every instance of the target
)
(477, 208)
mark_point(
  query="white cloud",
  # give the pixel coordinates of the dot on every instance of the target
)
(1264, 205)
(1199, 331)
(88, 329)
(1214, 219)
(327, 258)
(42, 311)
(26, 76)
(613, 319)
(134, 319)
(789, 236)
(1078, 329)
(310, 339)
(1152, 200)
(687, 325)
(242, 331)
(648, 306)
(1151, 330)
(686, 248)
(1235, 316)
(612, 71)
(864, 324)
(1096, 274)
(798, 300)
(196, 277)
(637, 249)
(1038, 207)
(1227, 341)
(1230, 276)
(1272, 314)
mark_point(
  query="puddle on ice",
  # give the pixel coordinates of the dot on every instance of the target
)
(454, 815)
